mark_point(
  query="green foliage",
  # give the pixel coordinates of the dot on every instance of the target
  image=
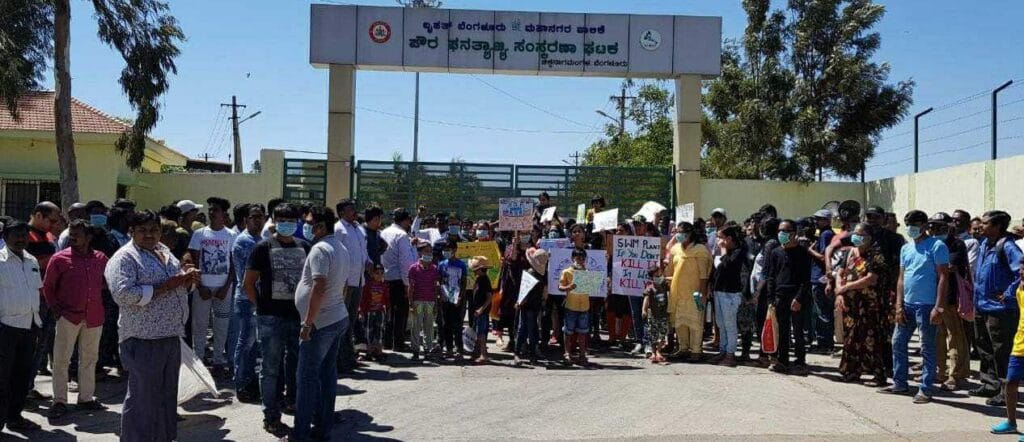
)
(650, 143)
(26, 44)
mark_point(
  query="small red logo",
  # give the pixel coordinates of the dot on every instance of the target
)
(380, 32)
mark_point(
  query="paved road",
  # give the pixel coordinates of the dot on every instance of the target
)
(620, 398)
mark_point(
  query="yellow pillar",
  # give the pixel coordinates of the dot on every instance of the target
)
(341, 125)
(686, 141)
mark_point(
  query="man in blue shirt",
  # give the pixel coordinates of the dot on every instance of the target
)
(924, 263)
(998, 272)
(824, 328)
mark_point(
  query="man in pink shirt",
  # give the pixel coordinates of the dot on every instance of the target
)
(423, 296)
(72, 288)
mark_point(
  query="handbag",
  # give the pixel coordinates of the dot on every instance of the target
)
(770, 332)
(965, 299)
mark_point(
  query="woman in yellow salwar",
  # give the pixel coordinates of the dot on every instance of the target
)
(690, 266)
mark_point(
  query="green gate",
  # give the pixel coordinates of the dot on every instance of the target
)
(626, 188)
(305, 181)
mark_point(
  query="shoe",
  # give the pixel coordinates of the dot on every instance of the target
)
(996, 401)
(288, 409)
(57, 411)
(415, 356)
(921, 398)
(983, 392)
(799, 369)
(778, 368)
(727, 361)
(248, 396)
(43, 371)
(875, 382)
(637, 349)
(850, 377)
(950, 385)
(93, 405)
(893, 390)
(22, 425)
(73, 386)
(517, 362)
(1003, 427)
(277, 428)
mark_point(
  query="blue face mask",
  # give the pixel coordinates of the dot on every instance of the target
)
(446, 254)
(552, 235)
(913, 232)
(711, 231)
(286, 228)
(307, 231)
(681, 237)
(857, 240)
(454, 230)
(784, 237)
(426, 259)
(481, 233)
(525, 239)
(98, 220)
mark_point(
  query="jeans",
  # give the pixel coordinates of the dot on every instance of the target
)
(636, 312)
(994, 340)
(347, 352)
(150, 406)
(790, 326)
(528, 334)
(279, 346)
(201, 309)
(915, 316)
(244, 342)
(317, 381)
(824, 327)
(726, 306)
(422, 323)
(451, 326)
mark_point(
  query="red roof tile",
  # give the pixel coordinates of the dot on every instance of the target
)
(36, 112)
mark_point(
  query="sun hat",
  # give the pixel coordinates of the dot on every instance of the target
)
(538, 259)
(479, 262)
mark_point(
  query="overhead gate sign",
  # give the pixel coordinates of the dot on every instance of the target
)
(509, 42)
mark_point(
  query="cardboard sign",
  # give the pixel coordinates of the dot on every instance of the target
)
(548, 214)
(589, 282)
(684, 213)
(430, 235)
(487, 249)
(527, 284)
(607, 220)
(650, 210)
(561, 259)
(581, 213)
(632, 256)
(556, 243)
(516, 214)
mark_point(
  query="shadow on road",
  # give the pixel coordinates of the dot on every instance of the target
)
(353, 425)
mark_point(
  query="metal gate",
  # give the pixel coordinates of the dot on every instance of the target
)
(627, 188)
(305, 181)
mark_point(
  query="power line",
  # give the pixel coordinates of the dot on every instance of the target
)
(213, 130)
(531, 105)
(475, 126)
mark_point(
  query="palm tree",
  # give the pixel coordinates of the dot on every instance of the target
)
(142, 31)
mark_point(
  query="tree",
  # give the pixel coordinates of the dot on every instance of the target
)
(257, 167)
(142, 31)
(650, 144)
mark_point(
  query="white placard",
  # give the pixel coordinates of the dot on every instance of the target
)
(548, 214)
(650, 210)
(561, 259)
(527, 284)
(684, 212)
(581, 214)
(607, 220)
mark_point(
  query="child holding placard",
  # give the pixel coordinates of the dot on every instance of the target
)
(576, 323)
(453, 278)
(529, 305)
(656, 312)
(480, 305)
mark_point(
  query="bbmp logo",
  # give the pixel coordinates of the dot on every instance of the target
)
(380, 32)
(650, 39)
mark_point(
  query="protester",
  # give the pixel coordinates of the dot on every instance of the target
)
(727, 285)
(245, 353)
(271, 278)
(952, 352)
(210, 247)
(453, 274)
(824, 321)
(788, 278)
(397, 259)
(576, 323)
(423, 297)
(921, 286)
(373, 311)
(690, 264)
(20, 325)
(513, 264)
(77, 211)
(73, 291)
(324, 319)
(148, 284)
(859, 291)
(998, 272)
(480, 305)
(1015, 369)
(348, 232)
(375, 245)
(529, 308)
(655, 311)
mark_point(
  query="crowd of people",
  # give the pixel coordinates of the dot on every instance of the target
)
(280, 300)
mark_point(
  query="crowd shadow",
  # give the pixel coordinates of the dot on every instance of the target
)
(355, 425)
(41, 435)
(202, 427)
(370, 374)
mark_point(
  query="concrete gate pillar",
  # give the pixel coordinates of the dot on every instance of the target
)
(341, 129)
(686, 141)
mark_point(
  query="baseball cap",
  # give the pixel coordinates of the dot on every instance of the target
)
(823, 213)
(875, 211)
(940, 218)
(188, 206)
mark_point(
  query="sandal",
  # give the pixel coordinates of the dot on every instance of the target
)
(1004, 427)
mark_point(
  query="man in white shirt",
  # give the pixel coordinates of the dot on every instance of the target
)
(20, 281)
(397, 260)
(348, 231)
(210, 248)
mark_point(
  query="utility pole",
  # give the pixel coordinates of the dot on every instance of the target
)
(917, 119)
(995, 117)
(575, 159)
(621, 102)
(416, 123)
(234, 132)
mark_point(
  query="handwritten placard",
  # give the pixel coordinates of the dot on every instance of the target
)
(554, 243)
(527, 284)
(581, 213)
(516, 214)
(632, 256)
(561, 259)
(488, 249)
(589, 282)
(548, 214)
(607, 220)
(430, 235)
(684, 212)
(650, 210)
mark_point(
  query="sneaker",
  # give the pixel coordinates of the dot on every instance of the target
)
(93, 405)
(1004, 427)
(921, 398)
(637, 349)
(517, 362)
(996, 401)
(277, 428)
(37, 395)
(22, 425)
(57, 411)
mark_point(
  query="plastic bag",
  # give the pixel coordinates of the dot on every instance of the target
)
(770, 332)
(469, 338)
(193, 377)
(965, 299)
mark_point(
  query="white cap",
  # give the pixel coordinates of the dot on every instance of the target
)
(187, 206)
(718, 210)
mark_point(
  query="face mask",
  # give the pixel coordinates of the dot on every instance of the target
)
(426, 259)
(286, 228)
(913, 232)
(446, 254)
(680, 237)
(98, 220)
(711, 231)
(307, 231)
(552, 235)
(857, 240)
(577, 266)
(454, 230)
(784, 238)
(525, 239)
(481, 233)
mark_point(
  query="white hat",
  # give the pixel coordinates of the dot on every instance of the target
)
(187, 206)
(718, 211)
(823, 213)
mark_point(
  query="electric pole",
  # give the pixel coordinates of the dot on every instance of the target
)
(621, 103)
(575, 159)
(234, 132)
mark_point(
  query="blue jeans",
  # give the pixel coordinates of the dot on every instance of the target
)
(823, 324)
(243, 341)
(915, 316)
(636, 312)
(528, 335)
(317, 380)
(726, 307)
(277, 336)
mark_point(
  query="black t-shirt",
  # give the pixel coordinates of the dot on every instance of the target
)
(728, 275)
(535, 299)
(481, 294)
(260, 261)
(789, 272)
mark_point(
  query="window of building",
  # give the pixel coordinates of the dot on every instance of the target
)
(19, 197)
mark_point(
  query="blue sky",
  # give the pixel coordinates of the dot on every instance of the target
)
(258, 50)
